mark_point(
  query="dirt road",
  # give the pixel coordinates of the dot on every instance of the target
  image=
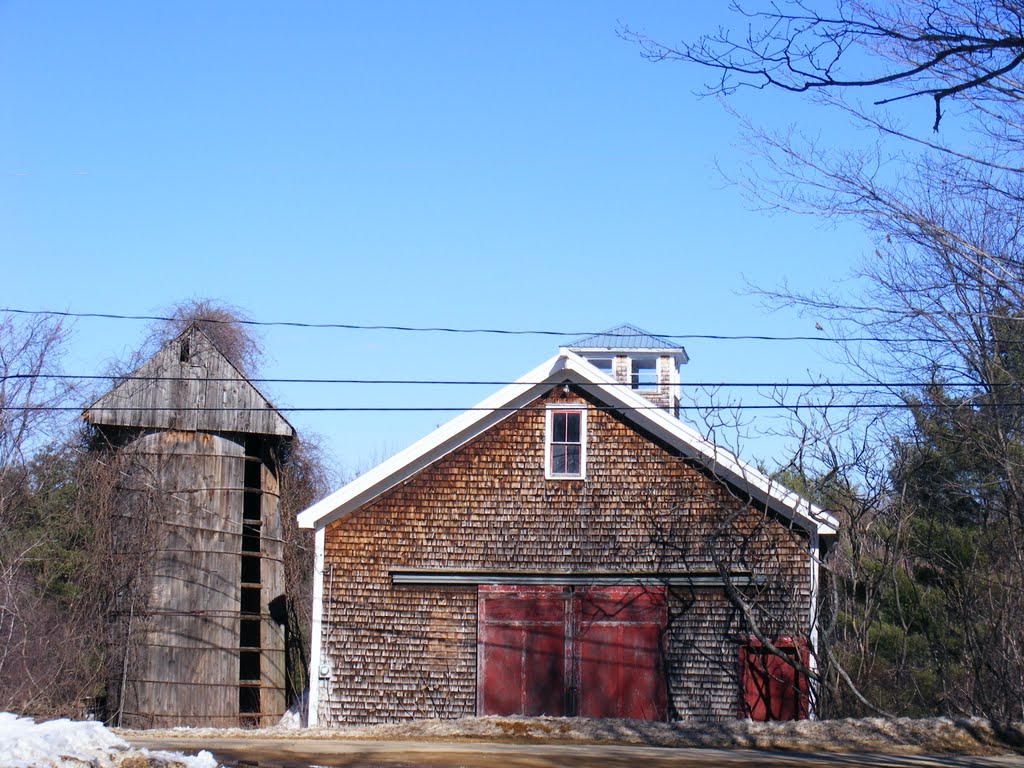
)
(298, 753)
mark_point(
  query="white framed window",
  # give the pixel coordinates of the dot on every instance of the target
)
(565, 442)
(644, 373)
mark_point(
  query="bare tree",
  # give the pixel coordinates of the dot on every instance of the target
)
(941, 306)
(30, 355)
(37, 638)
(937, 49)
(928, 573)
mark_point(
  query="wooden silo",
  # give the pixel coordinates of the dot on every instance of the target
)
(202, 634)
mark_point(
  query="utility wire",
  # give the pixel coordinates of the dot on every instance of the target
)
(504, 409)
(480, 382)
(494, 331)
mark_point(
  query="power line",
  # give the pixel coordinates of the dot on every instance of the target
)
(485, 382)
(481, 331)
(512, 409)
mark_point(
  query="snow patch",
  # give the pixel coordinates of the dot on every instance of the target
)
(25, 743)
(295, 717)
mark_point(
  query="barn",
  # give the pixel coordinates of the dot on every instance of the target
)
(569, 548)
(199, 637)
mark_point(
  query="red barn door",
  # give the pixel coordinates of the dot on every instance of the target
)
(617, 650)
(521, 659)
(590, 651)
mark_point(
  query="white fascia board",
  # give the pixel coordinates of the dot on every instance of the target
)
(670, 351)
(718, 461)
(438, 443)
(679, 354)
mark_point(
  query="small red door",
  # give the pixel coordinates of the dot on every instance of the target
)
(771, 688)
(617, 648)
(521, 650)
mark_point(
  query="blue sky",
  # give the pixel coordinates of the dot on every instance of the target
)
(506, 165)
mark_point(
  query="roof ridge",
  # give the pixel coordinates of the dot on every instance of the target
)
(616, 338)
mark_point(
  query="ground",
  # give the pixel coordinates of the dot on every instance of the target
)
(511, 742)
(501, 741)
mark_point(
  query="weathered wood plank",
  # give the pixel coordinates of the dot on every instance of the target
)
(185, 670)
(205, 392)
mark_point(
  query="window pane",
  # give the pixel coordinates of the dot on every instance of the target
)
(558, 459)
(558, 427)
(572, 428)
(572, 459)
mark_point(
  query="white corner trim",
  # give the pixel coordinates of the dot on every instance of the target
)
(814, 552)
(316, 631)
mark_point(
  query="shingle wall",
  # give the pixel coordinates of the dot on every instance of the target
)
(399, 651)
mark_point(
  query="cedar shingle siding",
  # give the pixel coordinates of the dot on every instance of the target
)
(409, 651)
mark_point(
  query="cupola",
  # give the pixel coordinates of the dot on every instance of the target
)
(646, 363)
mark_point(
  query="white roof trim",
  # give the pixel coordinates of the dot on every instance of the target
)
(630, 351)
(570, 366)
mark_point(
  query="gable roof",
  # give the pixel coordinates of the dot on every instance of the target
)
(189, 385)
(568, 366)
(627, 338)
